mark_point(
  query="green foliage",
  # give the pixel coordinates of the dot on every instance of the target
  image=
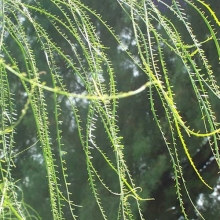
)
(54, 57)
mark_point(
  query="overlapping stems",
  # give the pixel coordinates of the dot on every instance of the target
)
(102, 99)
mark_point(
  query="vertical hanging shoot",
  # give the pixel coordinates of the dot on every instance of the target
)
(52, 57)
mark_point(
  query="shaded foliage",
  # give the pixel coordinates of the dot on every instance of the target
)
(99, 114)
